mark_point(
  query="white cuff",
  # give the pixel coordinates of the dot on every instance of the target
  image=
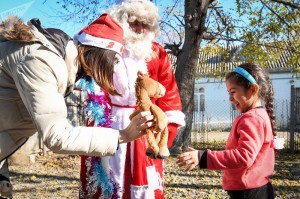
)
(176, 117)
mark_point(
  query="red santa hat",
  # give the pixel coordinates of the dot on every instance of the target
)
(104, 32)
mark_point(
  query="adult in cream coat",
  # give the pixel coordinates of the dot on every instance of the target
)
(36, 67)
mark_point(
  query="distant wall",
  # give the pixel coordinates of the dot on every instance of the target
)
(218, 112)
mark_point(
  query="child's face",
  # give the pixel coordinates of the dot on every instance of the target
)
(243, 99)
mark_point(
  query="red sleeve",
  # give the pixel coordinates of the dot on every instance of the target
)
(160, 69)
(173, 128)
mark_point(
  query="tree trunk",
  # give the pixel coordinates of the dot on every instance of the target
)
(195, 15)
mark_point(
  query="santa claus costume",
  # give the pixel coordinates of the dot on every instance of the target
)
(142, 176)
(130, 173)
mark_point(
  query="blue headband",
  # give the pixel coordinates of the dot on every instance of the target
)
(245, 74)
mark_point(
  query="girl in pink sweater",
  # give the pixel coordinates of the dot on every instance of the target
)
(248, 160)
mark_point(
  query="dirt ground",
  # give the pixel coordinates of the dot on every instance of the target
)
(57, 176)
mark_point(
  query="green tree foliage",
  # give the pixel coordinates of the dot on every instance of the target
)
(257, 24)
(273, 25)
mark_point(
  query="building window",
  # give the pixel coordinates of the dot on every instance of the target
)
(201, 90)
(199, 99)
(202, 102)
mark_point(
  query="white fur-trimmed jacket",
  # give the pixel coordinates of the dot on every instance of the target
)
(33, 80)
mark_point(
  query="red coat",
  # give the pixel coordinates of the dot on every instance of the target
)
(160, 70)
(248, 159)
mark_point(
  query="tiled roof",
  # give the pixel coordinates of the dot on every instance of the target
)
(217, 61)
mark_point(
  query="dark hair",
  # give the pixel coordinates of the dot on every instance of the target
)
(98, 63)
(266, 93)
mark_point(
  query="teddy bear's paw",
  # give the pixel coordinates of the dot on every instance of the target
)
(151, 154)
(163, 153)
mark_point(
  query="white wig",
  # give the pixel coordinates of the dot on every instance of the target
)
(141, 10)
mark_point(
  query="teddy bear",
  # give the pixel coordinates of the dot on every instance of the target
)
(157, 135)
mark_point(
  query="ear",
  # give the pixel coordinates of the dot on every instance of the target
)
(254, 88)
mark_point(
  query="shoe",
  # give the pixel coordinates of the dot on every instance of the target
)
(5, 189)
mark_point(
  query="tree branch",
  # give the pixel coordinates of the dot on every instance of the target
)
(290, 4)
(279, 17)
(175, 29)
(180, 21)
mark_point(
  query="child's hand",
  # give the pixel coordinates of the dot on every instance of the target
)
(189, 159)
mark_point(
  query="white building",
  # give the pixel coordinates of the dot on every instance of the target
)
(213, 109)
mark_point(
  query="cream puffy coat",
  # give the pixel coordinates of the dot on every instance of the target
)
(33, 80)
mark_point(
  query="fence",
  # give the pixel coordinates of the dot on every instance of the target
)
(215, 122)
(211, 125)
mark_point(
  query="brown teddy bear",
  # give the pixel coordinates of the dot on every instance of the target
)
(157, 136)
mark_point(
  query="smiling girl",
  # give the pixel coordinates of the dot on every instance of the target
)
(248, 159)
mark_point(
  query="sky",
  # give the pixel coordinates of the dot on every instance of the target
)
(42, 9)
(45, 10)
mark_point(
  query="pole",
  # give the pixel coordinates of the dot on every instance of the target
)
(292, 120)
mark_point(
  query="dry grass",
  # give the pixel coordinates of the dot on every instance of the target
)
(57, 176)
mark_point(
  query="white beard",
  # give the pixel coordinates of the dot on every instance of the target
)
(138, 46)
